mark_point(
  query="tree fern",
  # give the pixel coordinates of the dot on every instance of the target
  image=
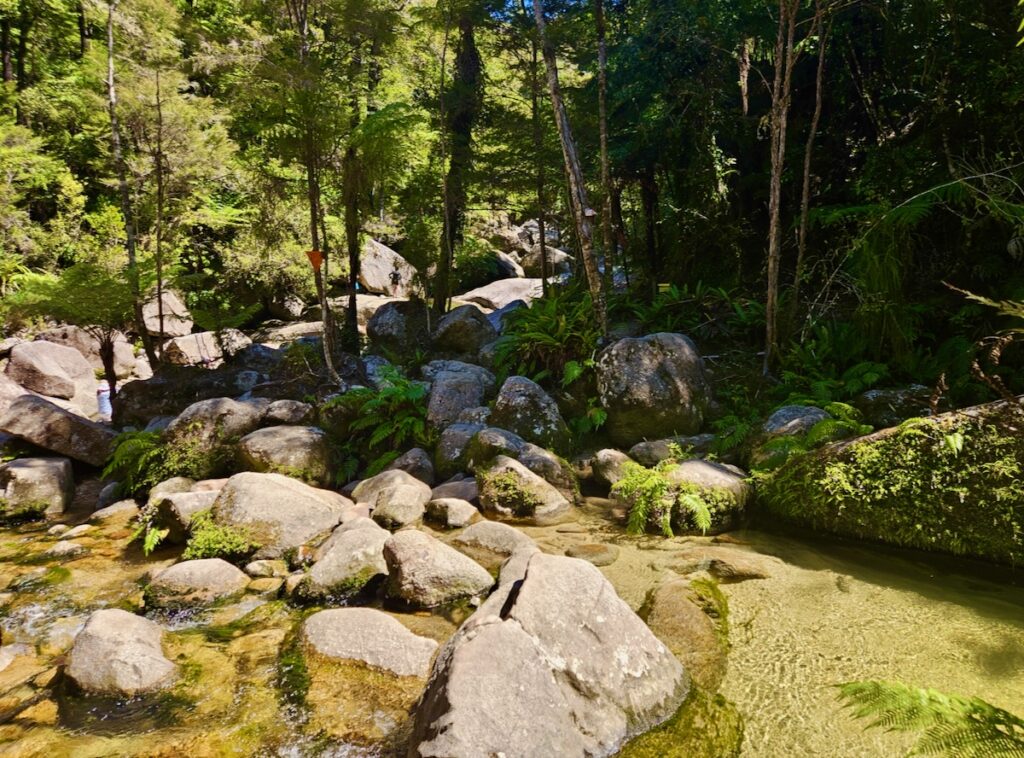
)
(950, 725)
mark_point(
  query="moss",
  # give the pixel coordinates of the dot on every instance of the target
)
(37, 581)
(952, 485)
(33, 509)
(207, 539)
(709, 596)
(265, 615)
(705, 726)
(505, 489)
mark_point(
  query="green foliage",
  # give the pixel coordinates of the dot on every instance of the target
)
(949, 725)
(656, 502)
(953, 486)
(208, 539)
(476, 264)
(702, 312)
(505, 489)
(385, 422)
(554, 331)
(137, 461)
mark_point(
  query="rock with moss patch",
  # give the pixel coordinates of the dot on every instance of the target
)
(424, 572)
(579, 673)
(278, 513)
(35, 487)
(196, 583)
(371, 637)
(463, 331)
(175, 511)
(450, 452)
(301, 452)
(653, 386)
(526, 409)
(487, 444)
(200, 436)
(653, 452)
(510, 490)
(118, 653)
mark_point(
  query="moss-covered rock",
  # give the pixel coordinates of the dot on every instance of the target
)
(951, 484)
(705, 726)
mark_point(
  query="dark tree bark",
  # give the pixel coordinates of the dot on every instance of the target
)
(581, 210)
(649, 200)
(464, 102)
(5, 50)
(83, 34)
(351, 191)
(607, 239)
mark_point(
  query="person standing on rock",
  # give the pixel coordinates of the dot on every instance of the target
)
(396, 279)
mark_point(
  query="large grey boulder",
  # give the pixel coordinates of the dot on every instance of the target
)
(351, 559)
(459, 487)
(276, 512)
(10, 391)
(376, 266)
(578, 675)
(424, 572)
(400, 327)
(417, 463)
(207, 426)
(455, 386)
(487, 444)
(526, 409)
(371, 637)
(722, 478)
(50, 427)
(509, 489)
(452, 513)
(504, 291)
(559, 262)
(118, 653)
(55, 371)
(301, 452)
(653, 386)
(463, 331)
(289, 412)
(177, 319)
(490, 543)
(395, 497)
(609, 466)
(33, 487)
(89, 347)
(452, 445)
(204, 348)
(196, 583)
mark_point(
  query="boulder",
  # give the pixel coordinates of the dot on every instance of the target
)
(508, 267)
(176, 510)
(302, 452)
(883, 408)
(34, 487)
(204, 348)
(289, 412)
(652, 452)
(177, 319)
(55, 371)
(10, 391)
(491, 543)
(504, 291)
(791, 420)
(417, 463)
(559, 262)
(675, 616)
(455, 386)
(463, 331)
(400, 327)
(286, 308)
(119, 654)
(524, 408)
(653, 386)
(371, 637)
(196, 583)
(424, 572)
(50, 427)
(347, 563)
(463, 488)
(395, 497)
(452, 513)
(710, 476)
(510, 490)
(608, 466)
(277, 335)
(122, 510)
(205, 427)
(489, 443)
(378, 263)
(276, 512)
(579, 673)
(450, 453)
(497, 318)
(89, 347)
(597, 553)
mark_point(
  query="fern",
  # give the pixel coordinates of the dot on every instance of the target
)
(950, 725)
(136, 461)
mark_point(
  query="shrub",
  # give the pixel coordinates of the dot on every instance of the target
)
(208, 539)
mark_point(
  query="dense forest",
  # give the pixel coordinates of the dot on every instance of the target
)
(461, 378)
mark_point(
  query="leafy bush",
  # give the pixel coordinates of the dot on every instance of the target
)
(950, 725)
(700, 311)
(385, 422)
(137, 461)
(655, 501)
(207, 539)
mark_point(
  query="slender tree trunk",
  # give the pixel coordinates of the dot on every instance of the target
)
(619, 225)
(805, 194)
(83, 34)
(25, 22)
(744, 66)
(649, 201)
(122, 185)
(351, 190)
(785, 57)
(159, 208)
(538, 155)
(463, 111)
(5, 50)
(607, 240)
(581, 210)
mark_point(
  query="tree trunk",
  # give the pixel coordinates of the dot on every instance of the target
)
(122, 185)
(159, 208)
(5, 50)
(538, 156)
(83, 36)
(352, 178)
(607, 240)
(581, 210)
(744, 66)
(649, 201)
(805, 194)
(463, 111)
(785, 57)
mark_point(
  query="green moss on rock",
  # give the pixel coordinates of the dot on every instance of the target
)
(705, 726)
(952, 484)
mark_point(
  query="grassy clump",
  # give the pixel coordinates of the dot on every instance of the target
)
(506, 490)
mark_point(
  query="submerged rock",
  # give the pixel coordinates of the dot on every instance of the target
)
(196, 583)
(579, 673)
(119, 654)
(371, 637)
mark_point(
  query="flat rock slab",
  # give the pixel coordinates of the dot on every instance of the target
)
(371, 637)
(728, 564)
(598, 553)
